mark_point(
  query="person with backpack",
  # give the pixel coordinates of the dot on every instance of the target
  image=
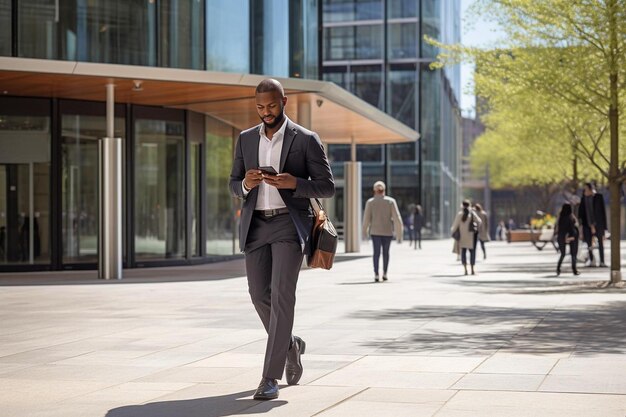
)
(466, 225)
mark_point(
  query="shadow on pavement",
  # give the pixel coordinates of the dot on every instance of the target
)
(594, 329)
(218, 406)
(545, 285)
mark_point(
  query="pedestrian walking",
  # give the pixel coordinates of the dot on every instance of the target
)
(468, 223)
(380, 219)
(501, 231)
(567, 234)
(418, 224)
(483, 230)
(278, 167)
(592, 214)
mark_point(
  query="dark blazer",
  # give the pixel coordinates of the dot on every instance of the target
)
(599, 213)
(302, 156)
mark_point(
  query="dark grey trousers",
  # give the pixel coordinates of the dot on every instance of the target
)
(273, 260)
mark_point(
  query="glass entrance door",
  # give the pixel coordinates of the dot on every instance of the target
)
(23, 233)
(24, 190)
(20, 234)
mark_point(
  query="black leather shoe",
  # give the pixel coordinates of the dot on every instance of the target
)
(293, 367)
(267, 390)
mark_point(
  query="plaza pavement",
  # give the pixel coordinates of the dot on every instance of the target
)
(185, 342)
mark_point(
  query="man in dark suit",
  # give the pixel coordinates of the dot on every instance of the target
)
(276, 223)
(592, 215)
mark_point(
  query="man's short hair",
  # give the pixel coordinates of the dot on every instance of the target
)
(269, 85)
(379, 186)
(589, 185)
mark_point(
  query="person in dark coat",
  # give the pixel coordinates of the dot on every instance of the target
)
(418, 223)
(567, 234)
(592, 214)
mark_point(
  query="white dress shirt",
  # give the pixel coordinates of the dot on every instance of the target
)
(269, 155)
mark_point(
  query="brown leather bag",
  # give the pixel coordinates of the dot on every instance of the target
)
(323, 239)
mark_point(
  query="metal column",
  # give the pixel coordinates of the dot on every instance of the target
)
(110, 197)
(352, 203)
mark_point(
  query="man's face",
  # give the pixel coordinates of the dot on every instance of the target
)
(588, 191)
(270, 106)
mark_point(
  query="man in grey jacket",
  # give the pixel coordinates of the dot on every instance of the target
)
(380, 220)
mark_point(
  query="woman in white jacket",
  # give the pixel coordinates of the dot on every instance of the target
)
(468, 223)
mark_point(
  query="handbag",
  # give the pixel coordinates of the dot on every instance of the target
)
(473, 225)
(456, 235)
(323, 239)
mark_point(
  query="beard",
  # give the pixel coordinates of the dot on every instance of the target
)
(277, 120)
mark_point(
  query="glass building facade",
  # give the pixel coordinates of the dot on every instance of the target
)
(375, 49)
(177, 207)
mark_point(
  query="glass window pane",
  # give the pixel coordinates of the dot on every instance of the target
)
(79, 184)
(24, 189)
(37, 27)
(117, 32)
(403, 38)
(271, 37)
(5, 27)
(369, 42)
(337, 75)
(368, 82)
(220, 214)
(339, 43)
(304, 36)
(159, 189)
(431, 26)
(402, 97)
(402, 8)
(182, 34)
(351, 10)
(229, 52)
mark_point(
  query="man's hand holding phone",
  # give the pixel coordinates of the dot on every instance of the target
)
(281, 181)
(252, 179)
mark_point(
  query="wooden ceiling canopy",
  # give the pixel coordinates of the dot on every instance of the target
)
(337, 116)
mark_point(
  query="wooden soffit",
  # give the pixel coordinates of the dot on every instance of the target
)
(336, 115)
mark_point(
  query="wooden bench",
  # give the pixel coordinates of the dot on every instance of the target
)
(521, 235)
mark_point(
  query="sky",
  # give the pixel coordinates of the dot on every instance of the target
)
(473, 33)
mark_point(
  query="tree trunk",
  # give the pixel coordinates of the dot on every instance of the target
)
(614, 174)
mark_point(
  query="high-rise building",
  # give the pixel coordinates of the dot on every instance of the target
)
(376, 49)
(184, 77)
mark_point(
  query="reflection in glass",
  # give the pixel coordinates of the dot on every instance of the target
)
(5, 27)
(402, 97)
(79, 184)
(113, 31)
(271, 37)
(353, 42)
(24, 190)
(431, 26)
(220, 216)
(351, 10)
(182, 34)
(230, 52)
(303, 44)
(159, 189)
(194, 178)
(403, 40)
(402, 8)
(339, 43)
(368, 82)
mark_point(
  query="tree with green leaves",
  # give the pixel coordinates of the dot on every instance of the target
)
(570, 54)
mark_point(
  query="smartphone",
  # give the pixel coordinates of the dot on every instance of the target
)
(269, 170)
